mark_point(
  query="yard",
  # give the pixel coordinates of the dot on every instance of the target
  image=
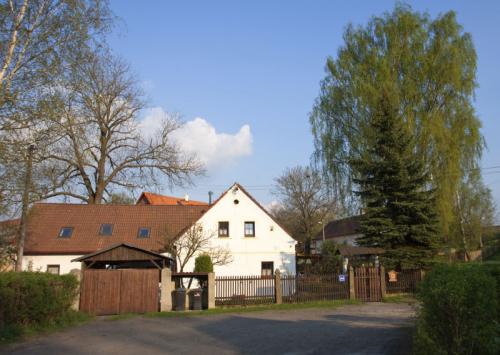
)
(371, 328)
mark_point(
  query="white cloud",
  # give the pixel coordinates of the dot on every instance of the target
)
(200, 137)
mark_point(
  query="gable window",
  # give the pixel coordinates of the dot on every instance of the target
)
(65, 232)
(106, 229)
(223, 229)
(249, 229)
(53, 269)
(144, 232)
(267, 268)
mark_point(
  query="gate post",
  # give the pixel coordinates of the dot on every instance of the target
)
(352, 290)
(167, 286)
(211, 290)
(277, 287)
(76, 302)
(382, 282)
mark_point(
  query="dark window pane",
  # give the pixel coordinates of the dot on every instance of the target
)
(53, 269)
(267, 268)
(144, 232)
(249, 229)
(223, 229)
(65, 232)
(106, 229)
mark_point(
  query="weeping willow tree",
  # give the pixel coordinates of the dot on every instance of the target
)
(430, 66)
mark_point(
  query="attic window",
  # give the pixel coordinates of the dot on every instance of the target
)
(65, 232)
(143, 232)
(106, 229)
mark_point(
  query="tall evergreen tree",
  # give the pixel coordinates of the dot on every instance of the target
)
(394, 188)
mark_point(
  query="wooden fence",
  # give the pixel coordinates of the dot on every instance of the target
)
(305, 288)
(364, 284)
(244, 290)
(406, 281)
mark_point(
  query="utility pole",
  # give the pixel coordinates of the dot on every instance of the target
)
(25, 205)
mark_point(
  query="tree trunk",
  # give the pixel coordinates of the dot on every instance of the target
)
(24, 213)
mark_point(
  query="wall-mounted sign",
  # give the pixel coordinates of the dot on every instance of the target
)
(393, 276)
(342, 278)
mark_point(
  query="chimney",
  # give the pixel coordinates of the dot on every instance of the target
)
(210, 193)
(186, 197)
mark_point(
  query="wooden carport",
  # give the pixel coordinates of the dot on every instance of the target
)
(121, 279)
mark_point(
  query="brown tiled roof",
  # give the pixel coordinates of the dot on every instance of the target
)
(340, 228)
(348, 250)
(149, 198)
(47, 219)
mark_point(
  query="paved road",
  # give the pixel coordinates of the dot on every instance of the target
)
(373, 328)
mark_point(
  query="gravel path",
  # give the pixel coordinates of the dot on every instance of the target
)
(371, 328)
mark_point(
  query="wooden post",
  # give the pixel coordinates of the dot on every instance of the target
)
(382, 282)
(211, 290)
(167, 286)
(422, 274)
(352, 289)
(277, 287)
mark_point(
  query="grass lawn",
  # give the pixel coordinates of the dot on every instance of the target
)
(15, 333)
(242, 309)
(400, 298)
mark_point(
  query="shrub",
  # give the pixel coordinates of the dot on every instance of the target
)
(203, 263)
(30, 298)
(459, 311)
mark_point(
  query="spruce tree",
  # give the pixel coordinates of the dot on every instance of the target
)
(399, 213)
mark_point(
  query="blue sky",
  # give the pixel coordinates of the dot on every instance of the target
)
(250, 72)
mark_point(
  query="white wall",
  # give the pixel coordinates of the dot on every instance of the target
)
(271, 242)
(40, 262)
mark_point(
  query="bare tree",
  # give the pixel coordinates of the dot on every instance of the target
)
(100, 146)
(193, 242)
(304, 203)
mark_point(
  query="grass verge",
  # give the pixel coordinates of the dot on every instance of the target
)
(19, 332)
(242, 309)
(400, 298)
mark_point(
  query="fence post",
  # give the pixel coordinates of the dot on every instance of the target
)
(211, 290)
(422, 274)
(382, 282)
(167, 286)
(352, 290)
(277, 287)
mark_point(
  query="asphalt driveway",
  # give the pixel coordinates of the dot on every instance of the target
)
(372, 328)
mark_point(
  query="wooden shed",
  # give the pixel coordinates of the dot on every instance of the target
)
(125, 256)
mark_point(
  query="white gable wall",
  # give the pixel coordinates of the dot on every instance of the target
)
(271, 242)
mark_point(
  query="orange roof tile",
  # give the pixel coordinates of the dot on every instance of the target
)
(150, 198)
(47, 219)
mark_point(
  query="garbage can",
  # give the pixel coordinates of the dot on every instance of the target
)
(195, 299)
(180, 299)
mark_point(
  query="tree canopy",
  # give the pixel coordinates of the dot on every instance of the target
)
(429, 66)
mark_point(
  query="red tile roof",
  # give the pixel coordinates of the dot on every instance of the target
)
(47, 219)
(149, 198)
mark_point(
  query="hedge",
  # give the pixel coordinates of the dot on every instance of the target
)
(459, 311)
(32, 298)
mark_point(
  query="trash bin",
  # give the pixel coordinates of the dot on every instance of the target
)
(195, 299)
(180, 299)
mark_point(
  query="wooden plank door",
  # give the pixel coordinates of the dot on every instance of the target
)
(100, 292)
(139, 290)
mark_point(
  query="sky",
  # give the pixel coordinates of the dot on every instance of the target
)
(244, 76)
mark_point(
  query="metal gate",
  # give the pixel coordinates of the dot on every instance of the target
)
(367, 284)
(105, 292)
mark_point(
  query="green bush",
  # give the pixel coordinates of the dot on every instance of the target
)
(459, 311)
(203, 263)
(30, 298)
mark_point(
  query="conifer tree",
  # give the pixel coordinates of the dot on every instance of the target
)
(394, 188)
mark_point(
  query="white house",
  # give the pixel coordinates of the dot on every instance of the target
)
(58, 233)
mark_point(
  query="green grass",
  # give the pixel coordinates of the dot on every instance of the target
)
(400, 298)
(17, 332)
(241, 309)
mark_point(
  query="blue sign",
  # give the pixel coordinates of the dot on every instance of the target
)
(342, 278)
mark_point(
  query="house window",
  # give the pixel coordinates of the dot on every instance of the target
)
(223, 229)
(267, 268)
(53, 269)
(65, 232)
(143, 232)
(106, 229)
(249, 229)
